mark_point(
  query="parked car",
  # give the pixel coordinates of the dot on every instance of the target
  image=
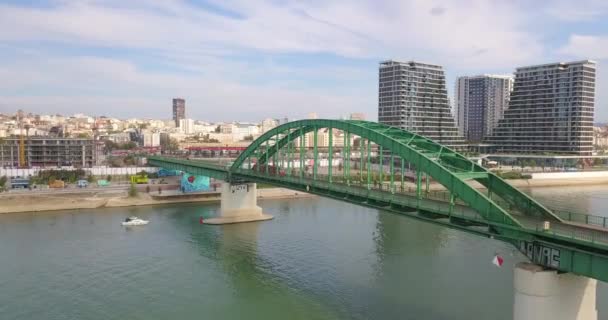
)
(82, 183)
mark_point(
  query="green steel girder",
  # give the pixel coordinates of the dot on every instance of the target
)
(192, 167)
(524, 203)
(406, 145)
(574, 255)
(452, 170)
(578, 258)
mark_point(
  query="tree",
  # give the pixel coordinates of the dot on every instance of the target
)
(91, 179)
(83, 135)
(3, 181)
(248, 138)
(133, 190)
(170, 145)
(218, 129)
(129, 145)
(109, 178)
(109, 146)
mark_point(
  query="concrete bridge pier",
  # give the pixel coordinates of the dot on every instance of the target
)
(239, 204)
(544, 294)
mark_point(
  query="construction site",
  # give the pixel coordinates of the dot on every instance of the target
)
(27, 152)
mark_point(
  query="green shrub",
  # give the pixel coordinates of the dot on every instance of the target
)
(513, 175)
(133, 190)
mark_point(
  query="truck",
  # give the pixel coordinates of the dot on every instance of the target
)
(139, 179)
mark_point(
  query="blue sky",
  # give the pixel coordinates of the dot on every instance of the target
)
(248, 60)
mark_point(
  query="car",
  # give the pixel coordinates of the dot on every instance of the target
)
(82, 183)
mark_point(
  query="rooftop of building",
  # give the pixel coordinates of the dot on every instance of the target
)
(411, 63)
(559, 64)
(499, 76)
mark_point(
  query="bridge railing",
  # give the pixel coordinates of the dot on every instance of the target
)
(597, 237)
(582, 218)
(398, 188)
(379, 193)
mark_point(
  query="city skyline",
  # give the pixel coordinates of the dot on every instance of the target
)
(128, 59)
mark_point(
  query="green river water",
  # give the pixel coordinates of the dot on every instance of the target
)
(318, 259)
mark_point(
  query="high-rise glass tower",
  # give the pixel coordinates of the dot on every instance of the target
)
(480, 102)
(550, 110)
(179, 110)
(413, 96)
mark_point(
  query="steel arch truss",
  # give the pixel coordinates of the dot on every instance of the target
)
(499, 203)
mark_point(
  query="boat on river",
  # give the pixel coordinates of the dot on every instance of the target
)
(134, 221)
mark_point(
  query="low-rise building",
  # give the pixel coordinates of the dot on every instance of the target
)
(152, 139)
(48, 152)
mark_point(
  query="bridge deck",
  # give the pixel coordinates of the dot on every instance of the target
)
(581, 239)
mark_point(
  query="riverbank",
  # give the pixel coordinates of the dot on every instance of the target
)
(108, 198)
(39, 202)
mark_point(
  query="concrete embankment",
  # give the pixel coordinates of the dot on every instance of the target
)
(48, 201)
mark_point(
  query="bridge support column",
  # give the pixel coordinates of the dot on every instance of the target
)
(239, 204)
(544, 294)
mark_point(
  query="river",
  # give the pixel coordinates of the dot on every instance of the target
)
(318, 259)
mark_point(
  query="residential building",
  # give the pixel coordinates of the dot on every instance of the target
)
(480, 102)
(600, 138)
(151, 139)
(323, 139)
(179, 110)
(413, 96)
(268, 124)
(357, 116)
(186, 126)
(48, 152)
(550, 110)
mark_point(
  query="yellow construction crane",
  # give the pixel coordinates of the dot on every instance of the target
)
(21, 150)
(22, 161)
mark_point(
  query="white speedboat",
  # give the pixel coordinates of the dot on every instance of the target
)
(134, 221)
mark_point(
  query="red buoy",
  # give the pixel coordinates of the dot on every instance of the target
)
(200, 220)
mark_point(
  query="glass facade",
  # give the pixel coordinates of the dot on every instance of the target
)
(413, 96)
(480, 103)
(550, 111)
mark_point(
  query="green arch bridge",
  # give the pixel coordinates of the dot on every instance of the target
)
(387, 168)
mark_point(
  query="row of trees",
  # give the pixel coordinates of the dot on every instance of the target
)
(111, 145)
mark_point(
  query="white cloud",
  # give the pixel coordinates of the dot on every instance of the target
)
(580, 10)
(468, 31)
(210, 49)
(595, 47)
(116, 87)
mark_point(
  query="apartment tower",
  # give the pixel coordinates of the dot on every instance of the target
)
(550, 111)
(179, 110)
(480, 102)
(413, 96)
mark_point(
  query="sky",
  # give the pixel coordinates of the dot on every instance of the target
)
(249, 60)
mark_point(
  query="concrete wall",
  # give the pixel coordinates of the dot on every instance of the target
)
(239, 199)
(546, 295)
(570, 175)
(97, 171)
